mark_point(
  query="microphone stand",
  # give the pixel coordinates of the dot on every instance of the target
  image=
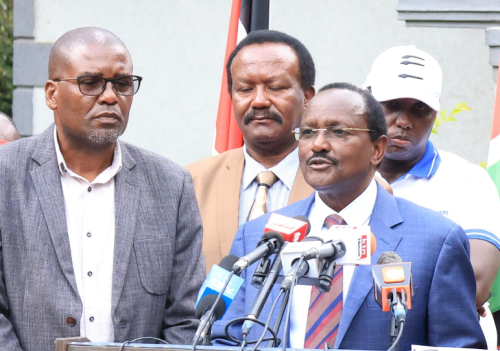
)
(212, 310)
(263, 294)
(279, 319)
(398, 307)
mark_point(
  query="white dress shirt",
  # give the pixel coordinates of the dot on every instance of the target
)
(278, 194)
(357, 213)
(90, 216)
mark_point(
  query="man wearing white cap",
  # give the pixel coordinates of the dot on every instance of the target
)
(407, 82)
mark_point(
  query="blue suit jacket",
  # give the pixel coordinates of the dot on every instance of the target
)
(443, 306)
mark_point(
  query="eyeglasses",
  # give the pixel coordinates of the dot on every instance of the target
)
(95, 85)
(330, 133)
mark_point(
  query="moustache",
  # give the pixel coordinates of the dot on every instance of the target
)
(322, 154)
(262, 113)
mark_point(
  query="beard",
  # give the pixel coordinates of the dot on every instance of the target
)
(103, 136)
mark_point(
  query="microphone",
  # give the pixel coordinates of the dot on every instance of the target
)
(302, 270)
(392, 287)
(331, 251)
(291, 229)
(392, 284)
(343, 245)
(216, 279)
(202, 313)
(269, 244)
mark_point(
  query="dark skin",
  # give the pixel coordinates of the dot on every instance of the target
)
(409, 123)
(76, 114)
(268, 100)
(341, 169)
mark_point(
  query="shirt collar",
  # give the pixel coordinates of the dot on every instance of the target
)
(358, 212)
(282, 169)
(105, 175)
(428, 165)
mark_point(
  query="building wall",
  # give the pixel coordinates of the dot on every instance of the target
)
(345, 37)
(178, 48)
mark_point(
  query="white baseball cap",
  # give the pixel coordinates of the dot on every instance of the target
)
(406, 72)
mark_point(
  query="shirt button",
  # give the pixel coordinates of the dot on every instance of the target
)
(89, 234)
(89, 189)
(91, 319)
(71, 321)
(89, 274)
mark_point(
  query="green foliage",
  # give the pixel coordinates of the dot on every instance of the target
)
(441, 117)
(6, 56)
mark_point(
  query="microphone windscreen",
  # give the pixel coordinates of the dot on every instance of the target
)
(228, 262)
(304, 219)
(389, 257)
(274, 235)
(206, 303)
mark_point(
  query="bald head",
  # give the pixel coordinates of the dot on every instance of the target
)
(60, 55)
(8, 130)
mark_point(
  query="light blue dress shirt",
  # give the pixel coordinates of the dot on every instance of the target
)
(278, 194)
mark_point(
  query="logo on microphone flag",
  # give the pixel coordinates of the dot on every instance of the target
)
(214, 283)
(362, 247)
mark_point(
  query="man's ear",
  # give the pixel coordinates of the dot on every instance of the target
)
(309, 94)
(51, 93)
(379, 147)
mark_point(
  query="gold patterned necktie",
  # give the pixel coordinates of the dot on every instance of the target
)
(265, 181)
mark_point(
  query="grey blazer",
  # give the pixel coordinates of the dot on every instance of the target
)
(158, 264)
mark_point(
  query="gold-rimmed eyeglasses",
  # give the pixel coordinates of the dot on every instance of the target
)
(95, 85)
(330, 133)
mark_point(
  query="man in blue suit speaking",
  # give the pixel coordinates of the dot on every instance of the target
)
(342, 140)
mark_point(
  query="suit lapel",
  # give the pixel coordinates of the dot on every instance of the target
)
(300, 189)
(228, 199)
(47, 182)
(384, 217)
(127, 192)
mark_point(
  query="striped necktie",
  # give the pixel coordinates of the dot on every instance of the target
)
(325, 309)
(265, 181)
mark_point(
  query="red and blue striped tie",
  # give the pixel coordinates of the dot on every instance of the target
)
(325, 309)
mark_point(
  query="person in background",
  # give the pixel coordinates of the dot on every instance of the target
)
(271, 79)
(407, 82)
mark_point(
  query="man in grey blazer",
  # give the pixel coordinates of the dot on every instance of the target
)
(98, 238)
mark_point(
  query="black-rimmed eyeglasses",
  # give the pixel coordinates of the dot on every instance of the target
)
(95, 85)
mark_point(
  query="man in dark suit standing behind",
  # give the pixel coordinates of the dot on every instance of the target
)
(91, 228)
